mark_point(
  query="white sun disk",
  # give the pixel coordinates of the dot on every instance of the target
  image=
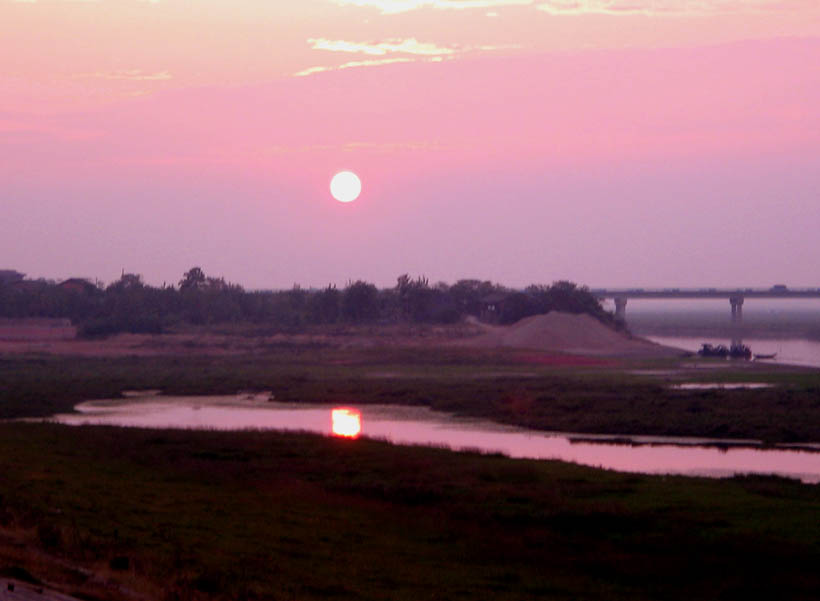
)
(345, 186)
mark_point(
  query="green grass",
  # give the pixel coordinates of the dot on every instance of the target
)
(285, 516)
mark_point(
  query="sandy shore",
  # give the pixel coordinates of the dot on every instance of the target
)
(563, 333)
(576, 334)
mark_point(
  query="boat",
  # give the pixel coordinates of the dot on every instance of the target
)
(740, 351)
(709, 350)
(736, 351)
(759, 356)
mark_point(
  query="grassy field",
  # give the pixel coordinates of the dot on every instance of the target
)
(527, 389)
(127, 514)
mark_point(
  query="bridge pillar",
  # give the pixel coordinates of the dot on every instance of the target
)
(737, 308)
(737, 319)
(620, 308)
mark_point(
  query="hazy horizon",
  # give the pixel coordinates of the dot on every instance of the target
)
(686, 304)
(610, 143)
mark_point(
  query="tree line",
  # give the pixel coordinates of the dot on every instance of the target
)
(131, 305)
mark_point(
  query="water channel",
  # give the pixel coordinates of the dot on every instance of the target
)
(422, 426)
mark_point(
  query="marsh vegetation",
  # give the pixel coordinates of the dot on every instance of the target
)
(124, 513)
(535, 390)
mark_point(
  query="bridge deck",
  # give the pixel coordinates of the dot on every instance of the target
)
(705, 293)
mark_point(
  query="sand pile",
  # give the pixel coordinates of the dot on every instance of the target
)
(568, 333)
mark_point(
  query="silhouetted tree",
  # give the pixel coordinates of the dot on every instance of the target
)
(516, 306)
(323, 306)
(130, 305)
(9, 276)
(467, 295)
(194, 278)
(414, 297)
(360, 301)
(126, 282)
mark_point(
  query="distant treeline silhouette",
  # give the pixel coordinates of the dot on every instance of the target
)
(130, 305)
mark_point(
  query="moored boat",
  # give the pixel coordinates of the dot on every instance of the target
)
(736, 351)
(717, 350)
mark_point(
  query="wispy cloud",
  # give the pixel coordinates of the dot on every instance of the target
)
(62, 1)
(610, 7)
(388, 7)
(386, 147)
(44, 128)
(390, 46)
(407, 49)
(665, 7)
(352, 64)
(356, 146)
(130, 75)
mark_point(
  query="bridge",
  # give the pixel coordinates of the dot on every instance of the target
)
(735, 296)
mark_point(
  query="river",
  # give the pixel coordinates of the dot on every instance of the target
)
(422, 426)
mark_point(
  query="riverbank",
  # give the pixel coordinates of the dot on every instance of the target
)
(109, 513)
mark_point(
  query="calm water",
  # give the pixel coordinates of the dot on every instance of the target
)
(789, 351)
(418, 425)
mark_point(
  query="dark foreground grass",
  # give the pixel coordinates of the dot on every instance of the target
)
(507, 387)
(119, 513)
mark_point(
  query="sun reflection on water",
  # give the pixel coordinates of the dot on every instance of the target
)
(346, 422)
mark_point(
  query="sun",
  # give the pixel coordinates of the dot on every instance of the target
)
(345, 186)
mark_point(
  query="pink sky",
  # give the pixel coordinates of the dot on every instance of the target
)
(610, 142)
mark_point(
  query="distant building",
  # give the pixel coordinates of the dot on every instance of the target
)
(78, 286)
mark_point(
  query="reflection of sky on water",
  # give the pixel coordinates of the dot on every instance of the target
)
(418, 425)
(721, 386)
